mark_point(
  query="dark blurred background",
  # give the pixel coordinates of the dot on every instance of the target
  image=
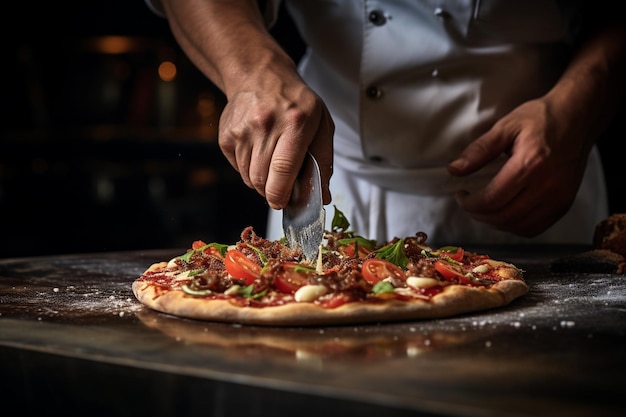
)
(108, 135)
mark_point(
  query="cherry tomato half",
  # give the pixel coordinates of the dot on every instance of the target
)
(209, 250)
(240, 266)
(197, 244)
(350, 250)
(451, 272)
(375, 270)
(290, 277)
(455, 253)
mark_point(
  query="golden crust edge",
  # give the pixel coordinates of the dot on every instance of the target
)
(454, 300)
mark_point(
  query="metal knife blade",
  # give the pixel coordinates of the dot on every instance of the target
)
(304, 217)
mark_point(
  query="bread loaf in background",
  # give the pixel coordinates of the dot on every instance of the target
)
(610, 234)
(608, 254)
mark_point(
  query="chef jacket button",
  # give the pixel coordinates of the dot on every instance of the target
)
(377, 17)
(373, 92)
(376, 158)
(439, 12)
(435, 73)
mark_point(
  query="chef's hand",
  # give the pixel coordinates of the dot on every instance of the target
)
(271, 117)
(539, 181)
(266, 128)
(548, 140)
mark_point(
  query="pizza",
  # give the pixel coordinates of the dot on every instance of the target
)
(257, 281)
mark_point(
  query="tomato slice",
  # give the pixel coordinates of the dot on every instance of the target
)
(375, 270)
(210, 250)
(350, 250)
(335, 301)
(240, 266)
(290, 277)
(197, 244)
(452, 252)
(450, 272)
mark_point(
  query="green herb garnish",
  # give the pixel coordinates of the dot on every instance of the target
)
(199, 293)
(247, 292)
(382, 287)
(195, 272)
(222, 248)
(304, 269)
(453, 249)
(394, 254)
(340, 223)
(262, 256)
(359, 240)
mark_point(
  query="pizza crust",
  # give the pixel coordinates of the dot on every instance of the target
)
(454, 300)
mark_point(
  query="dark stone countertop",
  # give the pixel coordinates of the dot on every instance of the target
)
(72, 336)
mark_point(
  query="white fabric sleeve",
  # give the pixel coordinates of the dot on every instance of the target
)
(156, 7)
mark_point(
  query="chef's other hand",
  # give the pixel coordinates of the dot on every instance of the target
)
(540, 179)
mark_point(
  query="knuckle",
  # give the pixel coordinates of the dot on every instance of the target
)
(262, 119)
(491, 200)
(481, 146)
(228, 137)
(296, 116)
(258, 181)
(226, 144)
(536, 159)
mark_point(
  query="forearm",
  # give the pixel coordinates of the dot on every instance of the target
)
(226, 39)
(593, 85)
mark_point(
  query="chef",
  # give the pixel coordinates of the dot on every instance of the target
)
(473, 121)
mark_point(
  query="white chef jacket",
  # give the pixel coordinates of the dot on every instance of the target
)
(409, 84)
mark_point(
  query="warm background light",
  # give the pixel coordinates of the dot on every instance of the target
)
(167, 71)
(115, 44)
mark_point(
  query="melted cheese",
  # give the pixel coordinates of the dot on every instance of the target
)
(422, 282)
(320, 266)
(309, 293)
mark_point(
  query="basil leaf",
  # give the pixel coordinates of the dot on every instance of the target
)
(247, 292)
(394, 254)
(382, 287)
(340, 223)
(187, 256)
(360, 241)
(220, 246)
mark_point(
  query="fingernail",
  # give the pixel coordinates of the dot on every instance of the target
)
(274, 206)
(458, 164)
